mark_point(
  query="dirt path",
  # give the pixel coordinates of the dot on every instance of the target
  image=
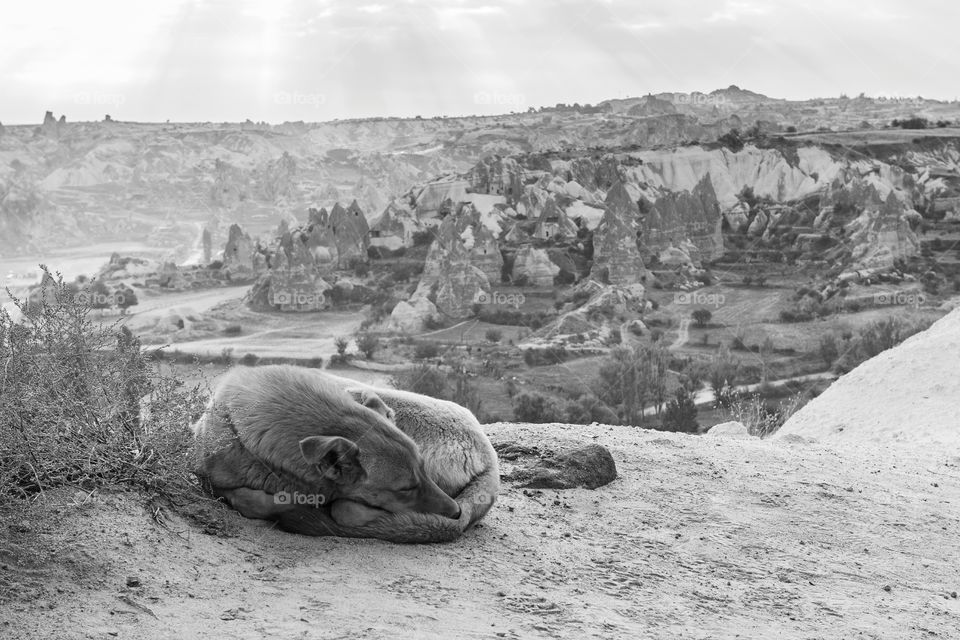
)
(683, 334)
(699, 537)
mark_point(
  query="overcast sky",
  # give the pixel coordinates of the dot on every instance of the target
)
(276, 60)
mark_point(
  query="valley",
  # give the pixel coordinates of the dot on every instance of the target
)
(516, 256)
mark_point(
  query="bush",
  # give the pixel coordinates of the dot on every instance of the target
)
(531, 406)
(761, 418)
(911, 123)
(422, 238)
(82, 405)
(424, 350)
(367, 344)
(249, 360)
(423, 379)
(232, 330)
(701, 317)
(732, 140)
(587, 409)
(829, 350)
(681, 413)
(545, 356)
(360, 267)
(493, 335)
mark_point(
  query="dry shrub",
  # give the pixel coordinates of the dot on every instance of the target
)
(81, 405)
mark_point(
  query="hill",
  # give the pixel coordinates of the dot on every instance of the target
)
(905, 397)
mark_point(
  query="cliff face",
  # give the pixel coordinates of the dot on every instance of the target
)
(688, 217)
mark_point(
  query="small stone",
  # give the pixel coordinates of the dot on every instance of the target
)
(133, 581)
(887, 588)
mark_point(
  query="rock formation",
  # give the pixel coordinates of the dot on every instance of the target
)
(461, 285)
(238, 252)
(616, 256)
(496, 175)
(289, 290)
(534, 266)
(553, 223)
(346, 234)
(50, 126)
(412, 316)
(462, 237)
(880, 236)
(686, 216)
(394, 228)
(904, 397)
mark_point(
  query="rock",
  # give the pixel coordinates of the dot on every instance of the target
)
(50, 127)
(590, 466)
(460, 287)
(906, 397)
(431, 198)
(616, 256)
(497, 176)
(734, 430)
(880, 236)
(289, 290)
(535, 265)
(553, 223)
(394, 228)
(238, 252)
(685, 216)
(412, 316)
(133, 581)
(346, 234)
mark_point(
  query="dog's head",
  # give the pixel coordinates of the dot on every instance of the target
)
(381, 467)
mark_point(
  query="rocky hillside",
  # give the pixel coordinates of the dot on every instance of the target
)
(67, 183)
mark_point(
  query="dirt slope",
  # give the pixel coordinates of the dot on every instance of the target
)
(700, 537)
(908, 396)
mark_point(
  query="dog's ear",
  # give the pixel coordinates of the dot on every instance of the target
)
(372, 401)
(336, 458)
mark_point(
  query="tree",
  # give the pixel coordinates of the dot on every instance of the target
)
(98, 295)
(368, 344)
(493, 335)
(631, 379)
(692, 375)
(829, 351)
(722, 375)
(681, 413)
(701, 317)
(423, 379)
(125, 297)
(531, 406)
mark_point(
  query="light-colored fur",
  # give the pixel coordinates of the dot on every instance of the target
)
(249, 465)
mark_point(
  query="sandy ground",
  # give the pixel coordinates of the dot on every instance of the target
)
(699, 537)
